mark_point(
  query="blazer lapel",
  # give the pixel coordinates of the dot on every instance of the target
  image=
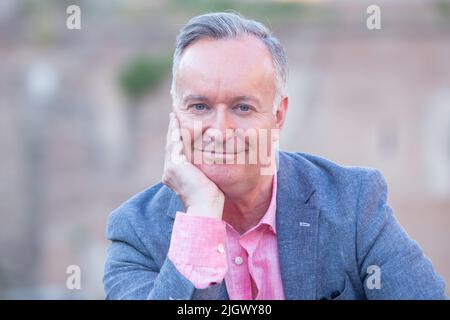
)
(297, 227)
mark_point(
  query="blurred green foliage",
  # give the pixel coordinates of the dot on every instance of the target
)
(143, 74)
(254, 9)
(271, 13)
(443, 7)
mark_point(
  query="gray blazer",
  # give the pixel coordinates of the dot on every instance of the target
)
(333, 226)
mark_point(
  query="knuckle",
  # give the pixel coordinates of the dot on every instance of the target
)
(166, 180)
(170, 171)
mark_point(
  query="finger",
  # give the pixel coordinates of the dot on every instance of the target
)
(175, 127)
(177, 144)
(176, 122)
(169, 128)
(169, 137)
(177, 155)
(174, 147)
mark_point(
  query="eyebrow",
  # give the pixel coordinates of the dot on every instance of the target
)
(194, 97)
(246, 98)
(199, 97)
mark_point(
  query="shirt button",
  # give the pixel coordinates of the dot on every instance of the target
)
(238, 260)
(220, 248)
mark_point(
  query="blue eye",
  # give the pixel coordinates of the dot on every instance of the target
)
(199, 107)
(243, 108)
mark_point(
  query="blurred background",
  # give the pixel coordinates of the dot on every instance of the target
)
(83, 116)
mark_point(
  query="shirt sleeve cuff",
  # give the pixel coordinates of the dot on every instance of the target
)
(197, 248)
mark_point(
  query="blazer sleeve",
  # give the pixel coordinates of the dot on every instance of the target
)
(131, 272)
(386, 251)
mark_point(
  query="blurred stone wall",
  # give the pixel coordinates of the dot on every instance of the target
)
(73, 147)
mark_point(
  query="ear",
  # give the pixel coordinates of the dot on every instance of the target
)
(281, 113)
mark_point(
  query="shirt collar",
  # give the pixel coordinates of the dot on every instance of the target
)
(269, 217)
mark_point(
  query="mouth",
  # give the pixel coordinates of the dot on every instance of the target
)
(218, 153)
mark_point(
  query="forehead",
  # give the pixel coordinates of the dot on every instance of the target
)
(226, 67)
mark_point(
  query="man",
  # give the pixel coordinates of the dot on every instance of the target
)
(230, 222)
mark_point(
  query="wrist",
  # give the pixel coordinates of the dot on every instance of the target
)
(211, 206)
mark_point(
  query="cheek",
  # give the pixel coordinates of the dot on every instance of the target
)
(255, 120)
(258, 126)
(190, 132)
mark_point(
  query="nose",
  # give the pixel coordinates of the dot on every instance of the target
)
(222, 120)
(215, 135)
(220, 123)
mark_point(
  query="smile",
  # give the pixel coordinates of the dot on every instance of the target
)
(213, 152)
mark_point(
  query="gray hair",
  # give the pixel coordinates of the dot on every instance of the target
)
(222, 25)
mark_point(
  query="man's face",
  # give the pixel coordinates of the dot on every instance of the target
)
(226, 86)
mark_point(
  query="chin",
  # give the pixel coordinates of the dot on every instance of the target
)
(225, 175)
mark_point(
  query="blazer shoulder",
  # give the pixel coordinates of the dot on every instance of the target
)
(326, 172)
(336, 184)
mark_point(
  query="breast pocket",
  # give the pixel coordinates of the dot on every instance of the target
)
(346, 292)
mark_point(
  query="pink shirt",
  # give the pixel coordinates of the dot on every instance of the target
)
(208, 250)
